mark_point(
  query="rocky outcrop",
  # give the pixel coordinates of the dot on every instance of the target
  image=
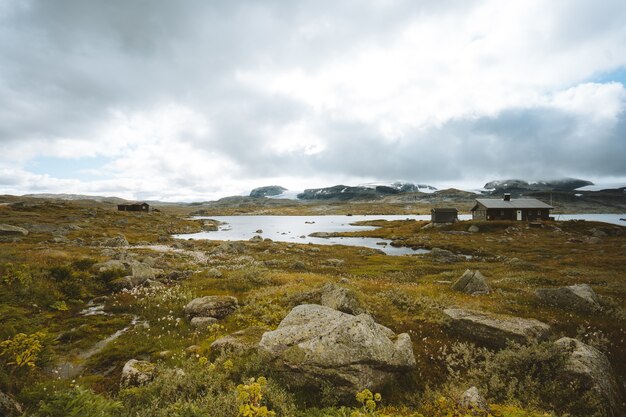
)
(472, 401)
(8, 406)
(230, 247)
(444, 256)
(362, 192)
(339, 298)
(495, 331)
(9, 230)
(580, 297)
(256, 239)
(202, 323)
(591, 369)
(267, 191)
(472, 282)
(218, 306)
(240, 342)
(317, 344)
(136, 373)
(516, 187)
(117, 241)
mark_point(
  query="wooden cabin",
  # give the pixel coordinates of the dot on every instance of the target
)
(520, 209)
(134, 207)
(444, 215)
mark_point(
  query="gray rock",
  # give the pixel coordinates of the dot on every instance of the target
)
(472, 401)
(111, 265)
(230, 247)
(339, 298)
(472, 282)
(9, 230)
(202, 323)
(580, 297)
(316, 344)
(496, 331)
(136, 373)
(218, 306)
(259, 231)
(334, 262)
(239, 343)
(214, 273)
(324, 235)
(443, 256)
(473, 229)
(141, 272)
(591, 369)
(256, 239)
(117, 241)
(9, 407)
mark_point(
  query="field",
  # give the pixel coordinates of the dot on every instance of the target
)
(55, 363)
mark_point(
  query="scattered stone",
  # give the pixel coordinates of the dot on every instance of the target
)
(230, 247)
(117, 241)
(472, 282)
(443, 256)
(592, 370)
(324, 235)
(496, 331)
(8, 406)
(136, 373)
(141, 272)
(316, 344)
(594, 240)
(202, 323)
(580, 297)
(178, 275)
(164, 354)
(598, 233)
(193, 350)
(259, 231)
(8, 230)
(339, 298)
(472, 401)
(334, 262)
(298, 266)
(214, 273)
(239, 343)
(473, 229)
(256, 239)
(218, 306)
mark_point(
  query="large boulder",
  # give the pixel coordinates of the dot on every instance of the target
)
(496, 331)
(241, 342)
(117, 241)
(8, 406)
(472, 401)
(110, 265)
(202, 323)
(316, 344)
(218, 306)
(136, 373)
(443, 256)
(590, 368)
(339, 298)
(142, 272)
(579, 297)
(472, 282)
(9, 230)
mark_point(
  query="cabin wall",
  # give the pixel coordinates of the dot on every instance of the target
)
(444, 217)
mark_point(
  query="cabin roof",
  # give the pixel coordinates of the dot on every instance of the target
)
(445, 210)
(516, 203)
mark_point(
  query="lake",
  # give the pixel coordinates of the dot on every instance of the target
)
(296, 229)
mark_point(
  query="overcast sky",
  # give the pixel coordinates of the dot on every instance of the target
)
(195, 100)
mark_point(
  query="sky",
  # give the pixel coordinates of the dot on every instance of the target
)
(193, 100)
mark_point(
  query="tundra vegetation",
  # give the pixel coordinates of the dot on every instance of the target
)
(89, 288)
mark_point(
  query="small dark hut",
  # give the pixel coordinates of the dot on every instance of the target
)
(444, 215)
(134, 207)
(521, 209)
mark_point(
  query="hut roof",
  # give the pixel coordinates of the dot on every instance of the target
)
(516, 203)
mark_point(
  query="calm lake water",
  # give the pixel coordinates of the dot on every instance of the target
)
(296, 229)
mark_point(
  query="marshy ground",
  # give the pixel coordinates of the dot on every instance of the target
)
(59, 292)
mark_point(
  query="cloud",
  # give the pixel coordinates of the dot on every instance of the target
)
(196, 100)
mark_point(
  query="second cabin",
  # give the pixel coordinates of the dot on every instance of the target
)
(522, 209)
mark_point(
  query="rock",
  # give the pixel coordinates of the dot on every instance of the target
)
(339, 298)
(316, 344)
(256, 239)
(179, 275)
(117, 241)
(214, 273)
(580, 297)
(193, 350)
(230, 247)
(218, 306)
(472, 401)
(111, 265)
(473, 229)
(591, 369)
(472, 282)
(9, 407)
(324, 235)
(267, 191)
(203, 323)
(136, 373)
(8, 230)
(240, 342)
(334, 262)
(443, 256)
(298, 266)
(259, 231)
(496, 331)
(141, 272)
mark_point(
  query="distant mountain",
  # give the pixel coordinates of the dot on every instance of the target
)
(371, 191)
(74, 197)
(517, 186)
(268, 191)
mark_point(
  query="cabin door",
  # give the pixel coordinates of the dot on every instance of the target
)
(519, 214)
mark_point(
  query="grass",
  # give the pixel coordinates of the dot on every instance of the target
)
(406, 293)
